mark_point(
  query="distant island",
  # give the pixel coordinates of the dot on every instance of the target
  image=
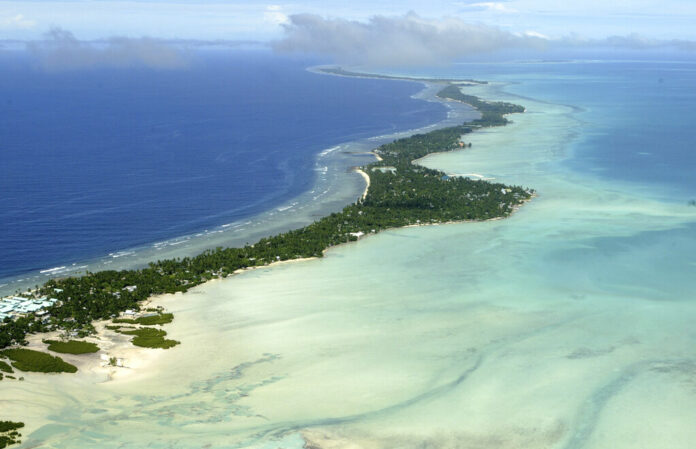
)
(342, 72)
(399, 193)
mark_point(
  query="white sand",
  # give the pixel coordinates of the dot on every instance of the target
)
(367, 182)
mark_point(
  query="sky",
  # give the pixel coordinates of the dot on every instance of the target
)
(263, 21)
(62, 34)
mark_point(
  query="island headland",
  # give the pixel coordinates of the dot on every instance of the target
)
(399, 193)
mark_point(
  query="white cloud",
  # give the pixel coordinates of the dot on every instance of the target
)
(397, 40)
(407, 40)
(488, 7)
(536, 34)
(16, 22)
(274, 14)
(62, 51)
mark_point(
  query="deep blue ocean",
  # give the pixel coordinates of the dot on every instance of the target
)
(96, 161)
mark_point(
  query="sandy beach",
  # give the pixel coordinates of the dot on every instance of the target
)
(96, 366)
(367, 182)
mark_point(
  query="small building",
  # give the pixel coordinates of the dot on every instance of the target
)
(28, 308)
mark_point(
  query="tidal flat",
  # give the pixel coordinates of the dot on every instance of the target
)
(568, 325)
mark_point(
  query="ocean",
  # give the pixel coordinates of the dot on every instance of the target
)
(568, 325)
(106, 161)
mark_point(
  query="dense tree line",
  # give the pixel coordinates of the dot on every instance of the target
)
(453, 92)
(401, 193)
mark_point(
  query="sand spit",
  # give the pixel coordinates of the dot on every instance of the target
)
(367, 182)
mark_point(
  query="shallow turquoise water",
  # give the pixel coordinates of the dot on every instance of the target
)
(568, 325)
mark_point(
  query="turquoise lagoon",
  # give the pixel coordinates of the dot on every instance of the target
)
(568, 325)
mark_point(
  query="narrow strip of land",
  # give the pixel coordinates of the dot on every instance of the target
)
(399, 193)
(343, 72)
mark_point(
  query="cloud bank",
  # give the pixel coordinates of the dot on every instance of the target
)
(60, 50)
(396, 41)
(411, 40)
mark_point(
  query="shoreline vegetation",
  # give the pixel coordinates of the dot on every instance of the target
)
(399, 193)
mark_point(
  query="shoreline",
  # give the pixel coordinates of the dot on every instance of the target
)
(452, 327)
(137, 360)
(366, 177)
(132, 358)
(340, 71)
(434, 96)
(296, 212)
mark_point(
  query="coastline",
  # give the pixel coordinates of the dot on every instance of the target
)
(470, 358)
(366, 177)
(425, 146)
(132, 358)
(136, 360)
(333, 188)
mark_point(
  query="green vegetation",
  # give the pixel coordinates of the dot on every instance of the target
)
(401, 193)
(148, 332)
(9, 433)
(28, 360)
(8, 426)
(154, 342)
(14, 332)
(71, 346)
(149, 337)
(5, 368)
(160, 318)
(123, 320)
(452, 92)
